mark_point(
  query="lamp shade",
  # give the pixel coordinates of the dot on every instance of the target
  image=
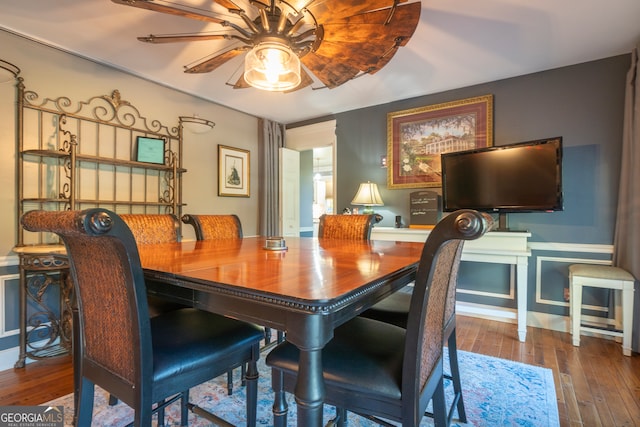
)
(368, 195)
(272, 66)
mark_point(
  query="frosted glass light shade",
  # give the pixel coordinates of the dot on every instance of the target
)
(272, 66)
(195, 124)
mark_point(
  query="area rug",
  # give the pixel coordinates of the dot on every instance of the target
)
(497, 392)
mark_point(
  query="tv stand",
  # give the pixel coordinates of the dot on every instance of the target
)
(495, 247)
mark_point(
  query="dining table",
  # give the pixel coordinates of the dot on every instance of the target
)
(304, 287)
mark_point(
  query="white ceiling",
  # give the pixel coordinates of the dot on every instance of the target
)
(457, 43)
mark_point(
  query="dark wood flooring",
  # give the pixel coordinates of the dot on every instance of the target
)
(595, 384)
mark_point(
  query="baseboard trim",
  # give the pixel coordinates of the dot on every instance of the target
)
(486, 312)
(9, 357)
(553, 322)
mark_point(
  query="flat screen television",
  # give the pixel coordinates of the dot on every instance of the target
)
(522, 177)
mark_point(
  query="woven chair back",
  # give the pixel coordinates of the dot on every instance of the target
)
(215, 227)
(153, 228)
(347, 227)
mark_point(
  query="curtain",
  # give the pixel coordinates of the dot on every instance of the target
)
(627, 233)
(270, 140)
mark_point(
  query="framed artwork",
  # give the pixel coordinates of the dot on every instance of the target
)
(233, 172)
(417, 137)
(150, 150)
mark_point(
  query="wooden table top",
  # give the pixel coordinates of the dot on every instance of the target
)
(317, 270)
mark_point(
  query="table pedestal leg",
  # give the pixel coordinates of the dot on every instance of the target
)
(309, 389)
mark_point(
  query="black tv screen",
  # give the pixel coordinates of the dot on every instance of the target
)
(523, 177)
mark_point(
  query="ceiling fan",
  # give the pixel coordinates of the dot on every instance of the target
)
(336, 40)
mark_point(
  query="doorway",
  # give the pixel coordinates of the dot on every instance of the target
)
(317, 146)
(323, 200)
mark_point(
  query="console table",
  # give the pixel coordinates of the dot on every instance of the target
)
(42, 267)
(496, 247)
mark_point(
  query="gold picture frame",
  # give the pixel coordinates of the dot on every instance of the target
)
(233, 172)
(416, 138)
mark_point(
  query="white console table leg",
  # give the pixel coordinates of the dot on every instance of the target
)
(521, 281)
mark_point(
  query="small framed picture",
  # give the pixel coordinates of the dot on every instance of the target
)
(150, 150)
(233, 172)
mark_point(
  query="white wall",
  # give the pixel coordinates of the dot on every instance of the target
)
(52, 73)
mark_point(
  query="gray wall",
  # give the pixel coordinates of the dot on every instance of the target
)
(583, 104)
(52, 73)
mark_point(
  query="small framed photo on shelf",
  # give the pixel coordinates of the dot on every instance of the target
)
(150, 150)
(233, 172)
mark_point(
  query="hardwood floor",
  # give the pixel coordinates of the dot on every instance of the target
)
(595, 384)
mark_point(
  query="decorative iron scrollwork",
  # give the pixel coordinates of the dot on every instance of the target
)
(47, 332)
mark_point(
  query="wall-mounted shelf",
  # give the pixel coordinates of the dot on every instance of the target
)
(100, 160)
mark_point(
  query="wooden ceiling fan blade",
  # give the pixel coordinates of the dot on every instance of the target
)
(157, 7)
(373, 27)
(357, 55)
(185, 38)
(367, 58)
(384, 60)
(305, 80)
(330, 73)
(329, 10)
(368, 41)
(228, 4)
(213, 63)
(234, 8)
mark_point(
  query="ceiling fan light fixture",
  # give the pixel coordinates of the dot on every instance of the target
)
(272, 66)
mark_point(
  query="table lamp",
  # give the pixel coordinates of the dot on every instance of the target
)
(368, 196)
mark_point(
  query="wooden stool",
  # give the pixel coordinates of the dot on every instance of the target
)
(601, 276)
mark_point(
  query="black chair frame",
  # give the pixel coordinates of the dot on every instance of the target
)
(392, 373)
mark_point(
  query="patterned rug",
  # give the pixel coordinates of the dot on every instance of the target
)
(497, 392)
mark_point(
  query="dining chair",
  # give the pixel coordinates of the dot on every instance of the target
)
(214, 227)
(394, 309)
(382, 371)
(150, 229)
(348, 227)
(138, 359)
